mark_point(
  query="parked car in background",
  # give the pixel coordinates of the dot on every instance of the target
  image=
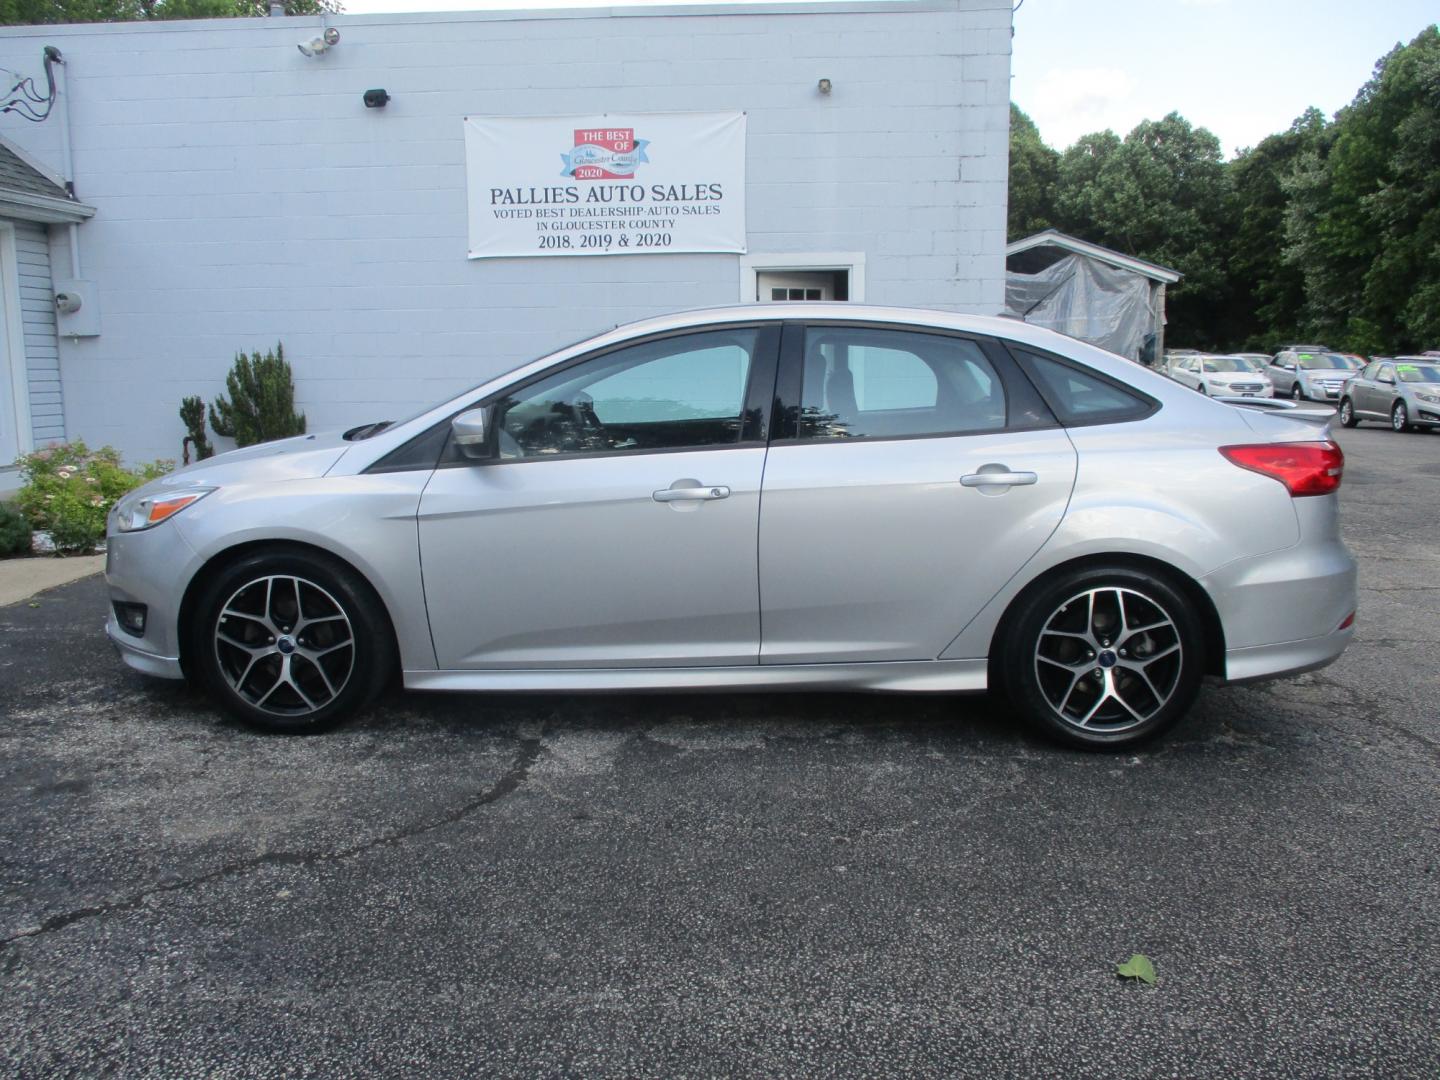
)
(1173, 357)
(1221, 376)
(1303, 374)
(950, 503)
(1403, 392)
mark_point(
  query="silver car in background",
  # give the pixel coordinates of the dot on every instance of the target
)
(1221, 376)
(1403, 392)
(771, 497)
(1311, 376)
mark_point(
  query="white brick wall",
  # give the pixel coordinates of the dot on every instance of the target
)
(244, 194)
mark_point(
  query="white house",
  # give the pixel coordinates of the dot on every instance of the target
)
(230, 191)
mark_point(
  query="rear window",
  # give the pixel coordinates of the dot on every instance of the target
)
(1080, 396)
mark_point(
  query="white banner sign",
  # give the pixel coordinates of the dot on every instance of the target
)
(640, 183)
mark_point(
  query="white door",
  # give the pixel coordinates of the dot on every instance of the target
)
(12, 368)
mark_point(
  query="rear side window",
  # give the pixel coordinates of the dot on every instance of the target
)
(882, 383)
(1079, 396)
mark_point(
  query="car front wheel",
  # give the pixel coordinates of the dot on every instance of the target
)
(291, 642)
(1400, 417)
(1296, 393)
(1347, 413)
(1102, 659)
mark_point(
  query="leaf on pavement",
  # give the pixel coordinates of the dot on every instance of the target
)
(1137, 967)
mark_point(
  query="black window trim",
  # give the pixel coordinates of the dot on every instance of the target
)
(1151, 405)
(759, 394)
(789, 383)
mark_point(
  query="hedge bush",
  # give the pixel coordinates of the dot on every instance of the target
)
(69, 489)
(14, 531)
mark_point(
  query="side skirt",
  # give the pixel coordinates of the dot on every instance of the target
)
(918, 675)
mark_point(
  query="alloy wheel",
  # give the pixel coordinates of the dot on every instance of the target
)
(1108, 659)
(1399, 418)
(284, 645)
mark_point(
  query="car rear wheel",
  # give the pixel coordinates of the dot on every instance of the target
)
(1400, 417)
(1347, 413)
(291, 642)
(1103, 658)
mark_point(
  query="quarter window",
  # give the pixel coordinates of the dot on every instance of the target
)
(1081, 397)
(875, 383)
(672, 393)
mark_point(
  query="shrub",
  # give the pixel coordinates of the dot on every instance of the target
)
(14, 531)
(69, 489)
(261, 406)
(192, 413)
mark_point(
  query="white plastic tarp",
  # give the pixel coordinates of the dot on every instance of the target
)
(1086, 299)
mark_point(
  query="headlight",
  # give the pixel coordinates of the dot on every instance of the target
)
(1434, 399)
(135, 512)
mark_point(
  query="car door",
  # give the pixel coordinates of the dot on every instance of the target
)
(1382, 397)
(915, 472)
(1282, 373)
(1362, 390)
(1185, 372)
(614, 522)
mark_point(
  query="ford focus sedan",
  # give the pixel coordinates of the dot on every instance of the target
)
(784, 497)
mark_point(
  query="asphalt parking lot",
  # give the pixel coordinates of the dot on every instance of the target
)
(769, 885)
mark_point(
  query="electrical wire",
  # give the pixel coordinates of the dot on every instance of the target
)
(22, 98)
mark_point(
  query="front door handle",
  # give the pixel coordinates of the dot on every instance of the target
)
(692, 491)
(997, 476)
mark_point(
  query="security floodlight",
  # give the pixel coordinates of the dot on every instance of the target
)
(318, 45)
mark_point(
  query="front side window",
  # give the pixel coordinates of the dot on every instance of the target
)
(881, 383)
(667, 394)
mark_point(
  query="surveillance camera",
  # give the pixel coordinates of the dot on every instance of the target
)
(317, 45)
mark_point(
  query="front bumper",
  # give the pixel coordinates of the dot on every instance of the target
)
(151, 568)
(147, 663)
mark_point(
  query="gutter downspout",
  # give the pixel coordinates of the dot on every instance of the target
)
(67, 162)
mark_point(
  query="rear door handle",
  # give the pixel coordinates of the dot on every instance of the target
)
(698, 493)
(1000, 477)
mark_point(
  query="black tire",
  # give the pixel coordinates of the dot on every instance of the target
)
(1400, 417)
(320, 668)
(1347, 413)
(1039, 662)
(1296, 394)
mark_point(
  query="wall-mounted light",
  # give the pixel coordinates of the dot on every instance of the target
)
(376, 99)
(824, 86)
(317, 46)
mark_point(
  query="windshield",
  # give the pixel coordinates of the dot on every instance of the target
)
(1251, 363)
(1326, 362)
(1425, 373)
(1225, 363)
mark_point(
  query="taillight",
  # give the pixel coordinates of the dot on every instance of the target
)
(1305, 468)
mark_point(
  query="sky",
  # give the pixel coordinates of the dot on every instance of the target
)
(1244, 69)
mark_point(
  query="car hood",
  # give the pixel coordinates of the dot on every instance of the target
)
(301, 458)
(1328, 373)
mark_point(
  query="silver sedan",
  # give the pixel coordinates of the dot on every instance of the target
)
(777, 497)
(1403, 392)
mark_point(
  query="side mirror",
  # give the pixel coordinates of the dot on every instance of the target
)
(471, 431)
(1388, 380)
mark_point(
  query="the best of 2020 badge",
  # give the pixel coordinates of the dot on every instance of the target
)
(605, 154)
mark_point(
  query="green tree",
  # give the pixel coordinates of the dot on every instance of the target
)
(32, 12)
(1160, 194)
(1034, 168)
(1267, 290)
(1363, 223)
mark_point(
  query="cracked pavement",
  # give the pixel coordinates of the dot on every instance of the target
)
(770, 885)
